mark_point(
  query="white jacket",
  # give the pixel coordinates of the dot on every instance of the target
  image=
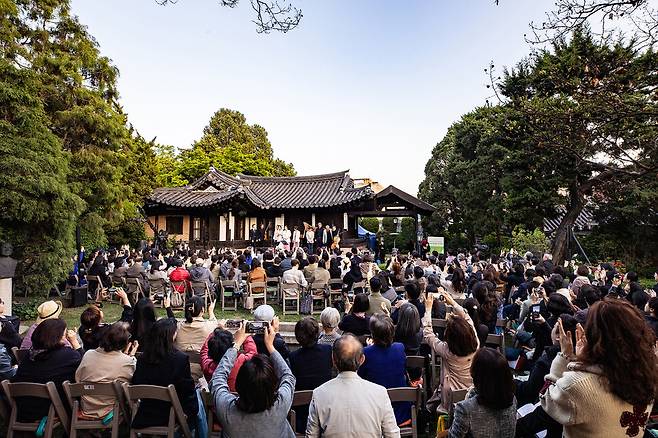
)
(364, 410)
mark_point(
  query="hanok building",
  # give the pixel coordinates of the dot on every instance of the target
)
(219, 209)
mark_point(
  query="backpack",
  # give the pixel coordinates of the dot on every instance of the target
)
(177, 299)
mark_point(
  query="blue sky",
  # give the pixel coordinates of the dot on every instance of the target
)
(365, 85)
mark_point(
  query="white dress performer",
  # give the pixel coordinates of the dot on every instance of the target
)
(286, 235)
(296, 237)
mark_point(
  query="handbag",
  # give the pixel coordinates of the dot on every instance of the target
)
(306, 304)
(248, 302)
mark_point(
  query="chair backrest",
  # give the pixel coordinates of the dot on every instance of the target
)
(257, 287)
(359, 285)
(403, 394)
(135, 393)
(229, 284)
(193, 356)
(157, 285)
(273, 281)
(20, 354)
(501, 323)
(200, 287)
(318, 286)
(74, 391)
(300, 398)
(439, 323)
(46, 391)
(415, 361)
(457, 395)
(133, 284)
(335, 284)
(93, 281)
(497, 340)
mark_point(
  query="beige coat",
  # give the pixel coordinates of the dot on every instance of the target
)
(580, 400)
(99, 366)
(191, 337)
(455, 370)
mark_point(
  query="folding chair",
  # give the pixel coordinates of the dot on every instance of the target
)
(180, 286)
(228, 289)
(420, 362)
(75, 391)
(95, 288)
(57, 415)
(118, 281)
(176, 419)
(407, 394)
(258, 291)
(318, 294)
(300, 398)
(456, 395)
(20, 354)
(134, 288)
(209, 405)
(358, 285)
(439, 326)
(335, 290)
(496, 341)
(157, 290)
(201, 289)
(273, 287)
(290, 293)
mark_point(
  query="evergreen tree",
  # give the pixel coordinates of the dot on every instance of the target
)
(39, 210)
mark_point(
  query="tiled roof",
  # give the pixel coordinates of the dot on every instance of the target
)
(584, 222)
(217, 187)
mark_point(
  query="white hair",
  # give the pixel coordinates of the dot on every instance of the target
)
(330, 317)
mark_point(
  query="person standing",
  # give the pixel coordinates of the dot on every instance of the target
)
(295, 238)
(253, 235)
(318, 235)
(286, 235)
(310, 239)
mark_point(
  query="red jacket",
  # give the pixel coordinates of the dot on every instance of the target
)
(179, 274)
(208, 365)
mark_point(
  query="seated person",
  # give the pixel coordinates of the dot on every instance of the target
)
(386, 363)
(310, 364)
(161, 364)
(50, 360)
(355, 320)
(265, 312)
(489, 409)
(113, 360)
(329, 319)
(265, 387)
(214, 348)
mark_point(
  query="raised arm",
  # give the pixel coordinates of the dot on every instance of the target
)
(286, 378)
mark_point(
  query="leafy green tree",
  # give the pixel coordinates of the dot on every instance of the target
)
(591, 113)
(39, 210)
(232, 146)
(80, 99)
(481, 177)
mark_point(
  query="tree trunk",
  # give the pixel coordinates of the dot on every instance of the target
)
(563, 233)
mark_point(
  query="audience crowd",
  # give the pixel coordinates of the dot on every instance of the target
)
(579, 361)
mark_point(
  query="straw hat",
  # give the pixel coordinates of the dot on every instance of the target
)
(49, 310)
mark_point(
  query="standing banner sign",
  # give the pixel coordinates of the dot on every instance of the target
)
(436, 244)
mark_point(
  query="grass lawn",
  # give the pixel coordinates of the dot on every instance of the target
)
(113, 311)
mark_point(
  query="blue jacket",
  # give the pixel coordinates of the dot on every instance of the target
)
(388, 367)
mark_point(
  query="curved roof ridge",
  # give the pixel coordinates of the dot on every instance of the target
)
(299, 178)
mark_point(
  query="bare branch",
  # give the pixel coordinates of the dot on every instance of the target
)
(270, 15)
(569, 15)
